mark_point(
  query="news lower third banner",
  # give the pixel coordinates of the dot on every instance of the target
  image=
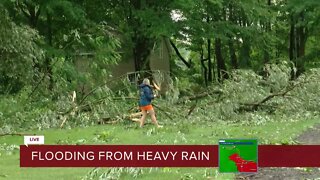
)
(159, 156)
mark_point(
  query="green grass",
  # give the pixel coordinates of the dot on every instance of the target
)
(270, 133)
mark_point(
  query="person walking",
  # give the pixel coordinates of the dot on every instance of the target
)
(146, 96)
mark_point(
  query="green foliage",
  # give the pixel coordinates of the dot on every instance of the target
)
(113, 173)
(80, 42)
(248, 88)
(18, 112)
(19, 55)
(105, 105)
(305, 99)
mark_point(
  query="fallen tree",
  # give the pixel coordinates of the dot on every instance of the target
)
(255, 105)
(135, 117)
(233, 98)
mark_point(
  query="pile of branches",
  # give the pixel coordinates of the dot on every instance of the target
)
(260, 98)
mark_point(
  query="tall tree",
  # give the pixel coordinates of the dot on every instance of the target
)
(141, 23)
(19, 54)
(302, 17)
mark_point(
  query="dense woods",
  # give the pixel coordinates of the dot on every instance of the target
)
(43, 39)
(66, 51)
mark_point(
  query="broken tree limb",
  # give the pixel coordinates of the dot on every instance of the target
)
(75, 108)
(41, 80)
(191, 109)
(64, 119)
(81, 107)
(134, 115)
(165, 112)
(124, 76)
(110, 122)
(254, 106)
(94, 89)
(188, 64)
(135, 119)
(72, 111)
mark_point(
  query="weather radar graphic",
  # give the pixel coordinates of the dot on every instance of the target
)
(238, 155)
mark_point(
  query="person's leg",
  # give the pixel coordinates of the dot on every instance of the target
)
(153, 117)
(143, 117)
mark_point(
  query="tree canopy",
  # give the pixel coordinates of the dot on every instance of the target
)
(211, 38)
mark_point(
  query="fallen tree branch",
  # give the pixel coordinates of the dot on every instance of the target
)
(165, 112)
(254, 106)
(94, 89)
(191, 109)
(111, 122)
(72, 110)
(64, 119)
(110, 98)
(114, 80)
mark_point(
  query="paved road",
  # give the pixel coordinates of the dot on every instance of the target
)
(311, 136)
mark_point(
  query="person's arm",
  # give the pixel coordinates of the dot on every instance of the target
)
(156, 86)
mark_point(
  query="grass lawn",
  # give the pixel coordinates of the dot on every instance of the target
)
(128, 133)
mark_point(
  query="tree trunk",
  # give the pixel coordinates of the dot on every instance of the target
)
(297, 40)
(232, 52)
(245, 54)
(48, 59)
(244, 58)
(302, 42)
(142, 44)
(233, 56)
(205, 70)
(141, 51)
(32, 14)
(221, 66)
(268, 29)
(292, 40)
(210, 79)
(301, 45)
(302, 32)
(266, 56)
